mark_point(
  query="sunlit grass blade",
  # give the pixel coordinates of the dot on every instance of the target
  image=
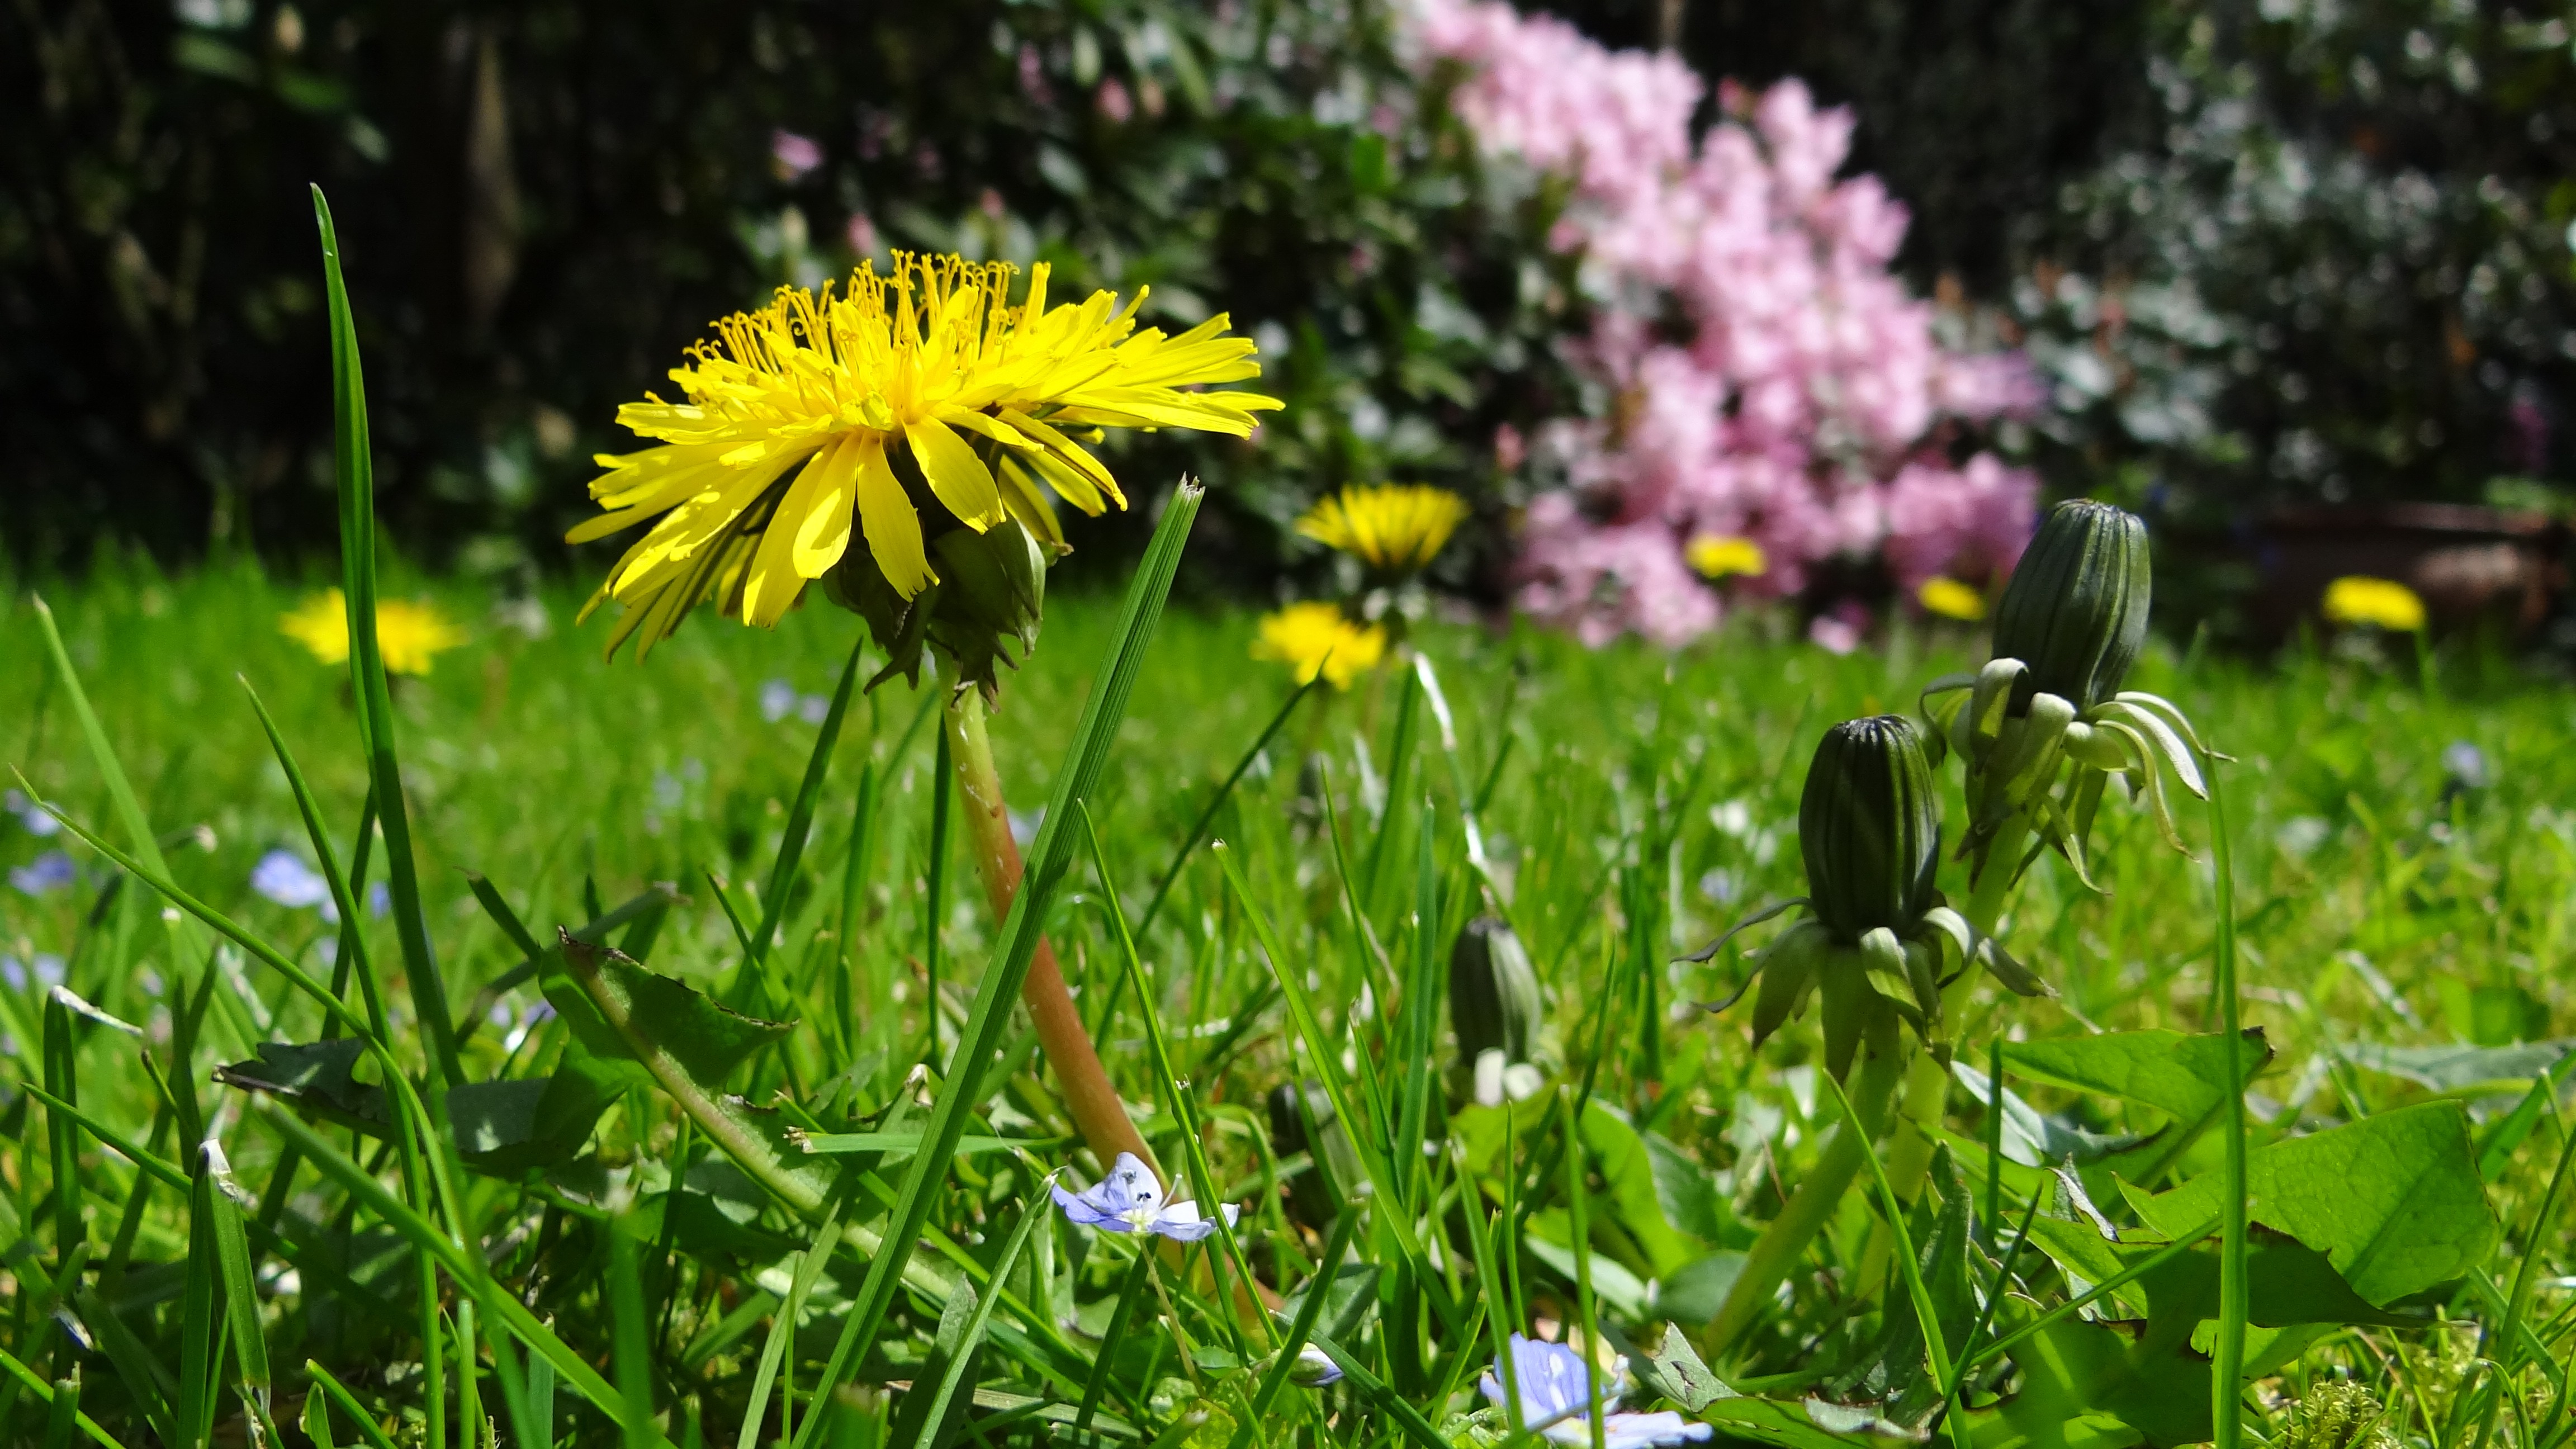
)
(2227, 1360)
(354, 462)
(238, 1281)
(1016, 946)
(63, 1416)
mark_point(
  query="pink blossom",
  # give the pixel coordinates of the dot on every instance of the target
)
(1800, 409)
(861, 234)
(1114, 102)
(794, 155)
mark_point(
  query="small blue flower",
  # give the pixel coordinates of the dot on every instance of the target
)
(46, 874)
(1556, 1390)
(777, 700)
(283, 877)
(1128, 1200)
(1314, 1369)
(2464, 762)
(36, 818)
(379, 899)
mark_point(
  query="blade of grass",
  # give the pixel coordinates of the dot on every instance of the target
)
(1016, 945)
(963, 1354)
(1579, 1228)
(35, 1384)
(1302, 1329)
(1199, 827)
(2227, 1363)
(1370, 1387)
(187, 941)
(1112, 1335)
(632, 1354)
(237, 1280)
(349, 1405)
(60, 1132)
(466, 1268)
(1159, 1054)
(1328, 1070)
(800, 816)
(62, 1417)
(355, 469)
(1935, 1344)
(2080, 1301)
(782, 1332)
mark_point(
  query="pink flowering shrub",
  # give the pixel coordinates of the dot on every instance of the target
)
(1759, 373)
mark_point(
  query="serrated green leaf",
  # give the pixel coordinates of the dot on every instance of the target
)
(2181, 1076)
(2393, 1201)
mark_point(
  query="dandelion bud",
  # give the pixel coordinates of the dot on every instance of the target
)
(1869, 826)
(1493, 993)
(2076, 608)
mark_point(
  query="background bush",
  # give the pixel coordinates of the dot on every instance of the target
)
(2264, 253)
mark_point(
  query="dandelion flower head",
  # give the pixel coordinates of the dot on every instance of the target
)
(795, 417)
(410, 636)
(1394, 528)
(1315, 638)
(1950, 599)
(1718, 556)
(2383, 603)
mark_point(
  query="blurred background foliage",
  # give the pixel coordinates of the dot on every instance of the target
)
(2262, 252)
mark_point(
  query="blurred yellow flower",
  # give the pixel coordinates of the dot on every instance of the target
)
(409, 635)
(2382, 603)
(1716, 556)
(1394, 528)
(1320, 638)
(1950, 599)
(796, 415)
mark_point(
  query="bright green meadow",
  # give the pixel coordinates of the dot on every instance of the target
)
(2400, 918)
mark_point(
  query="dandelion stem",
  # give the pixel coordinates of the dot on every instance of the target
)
(1088, 1095)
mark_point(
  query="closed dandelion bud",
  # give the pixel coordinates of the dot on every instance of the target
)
(2076, 608)
(1493, 993)
(1869, 826)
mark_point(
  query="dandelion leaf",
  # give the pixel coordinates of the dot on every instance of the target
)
(2394, 1202)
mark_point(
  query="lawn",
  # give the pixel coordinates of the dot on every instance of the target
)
(2403, 865)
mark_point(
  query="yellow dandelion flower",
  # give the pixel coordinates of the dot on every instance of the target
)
(408, 635)
(1393, 528)
(2384, 603)
(1716, 556)
(1951, 599)
(798, 415)
(1320, 638)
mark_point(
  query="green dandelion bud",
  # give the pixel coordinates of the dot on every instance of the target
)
(1869, 826)
(2075, 610)
(1495, 1009)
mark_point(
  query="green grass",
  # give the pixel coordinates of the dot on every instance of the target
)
(1643, 803)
